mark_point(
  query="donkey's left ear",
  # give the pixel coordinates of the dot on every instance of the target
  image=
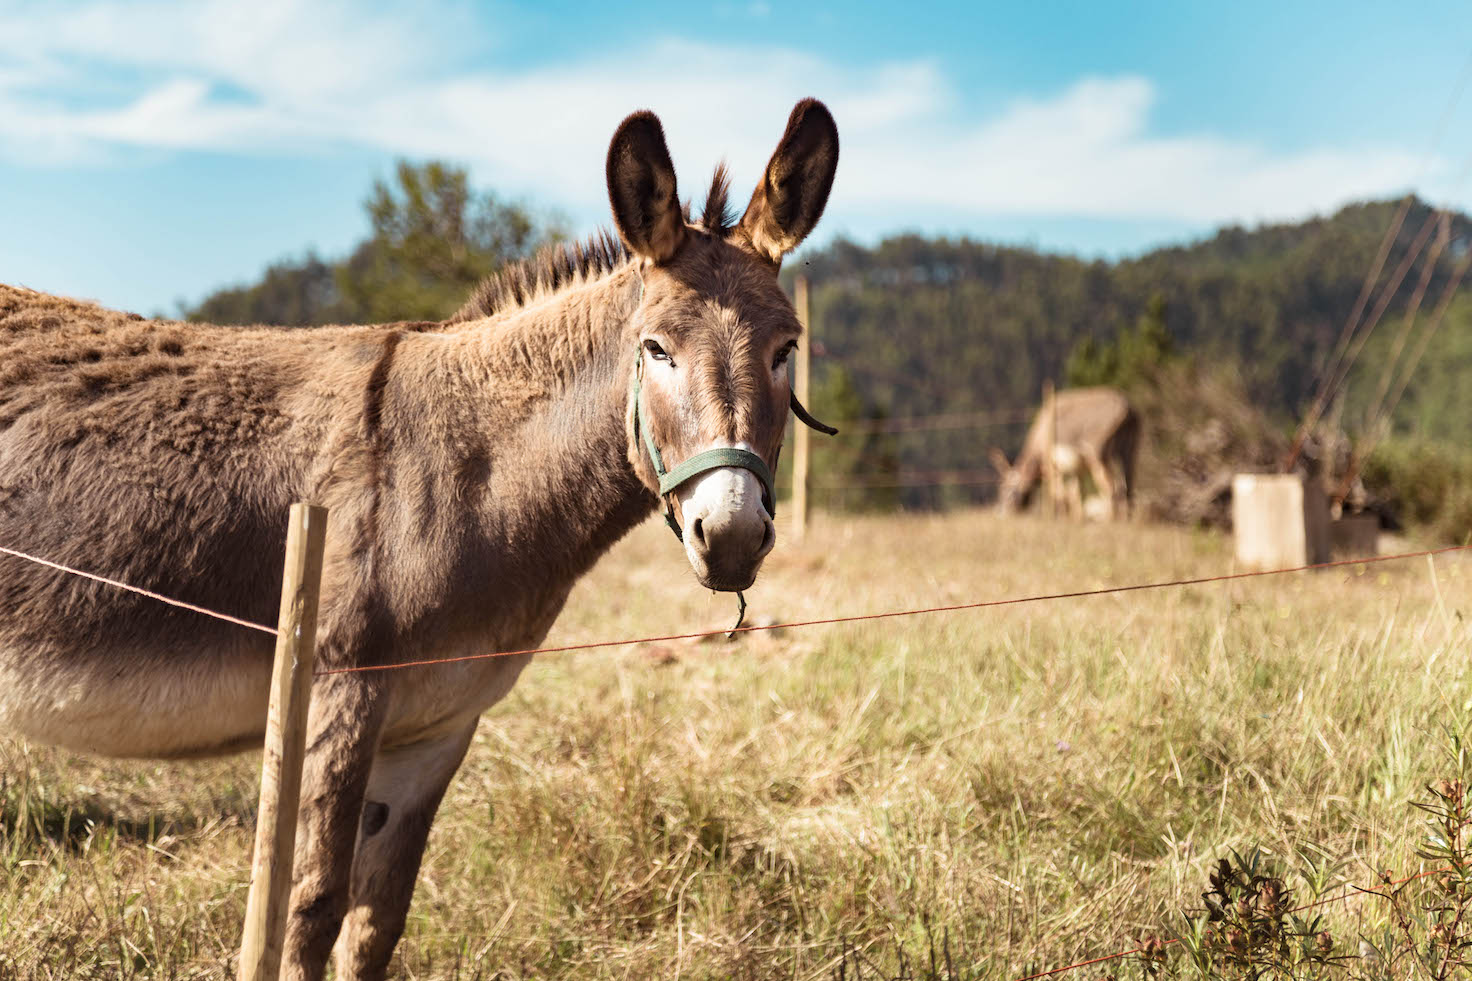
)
(793, 192)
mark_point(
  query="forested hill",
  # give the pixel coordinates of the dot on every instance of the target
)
(917, 326)
(1221, 339)
(923, 326)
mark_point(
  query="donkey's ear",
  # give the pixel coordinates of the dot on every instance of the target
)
(999, 461)
(641, 189)
(793, 192)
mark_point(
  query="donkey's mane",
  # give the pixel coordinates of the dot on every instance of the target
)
(716, 216)
(556, 266)
(552, 268)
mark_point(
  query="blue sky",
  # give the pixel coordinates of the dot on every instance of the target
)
(150, 152)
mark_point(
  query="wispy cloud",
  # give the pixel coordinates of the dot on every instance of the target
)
(285, 77)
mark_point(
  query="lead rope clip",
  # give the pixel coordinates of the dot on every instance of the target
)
(740, 615)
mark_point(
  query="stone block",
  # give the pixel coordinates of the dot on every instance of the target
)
(1279, 521)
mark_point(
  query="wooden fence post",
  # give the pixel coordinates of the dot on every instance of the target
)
(286, 733)
(801, 437)
(1050, 465)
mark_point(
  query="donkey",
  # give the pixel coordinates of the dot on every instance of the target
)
(1097, 429)
(474, 469)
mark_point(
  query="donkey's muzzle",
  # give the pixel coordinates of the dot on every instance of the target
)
(727, 528)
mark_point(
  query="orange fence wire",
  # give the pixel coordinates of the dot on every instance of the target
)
(889, 614)
(856, 618)
(141, 592)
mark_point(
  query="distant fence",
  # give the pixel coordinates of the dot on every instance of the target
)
(908, 425)
(942, 420)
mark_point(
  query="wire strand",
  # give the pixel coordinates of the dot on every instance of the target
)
(139, 590)
(984, 604)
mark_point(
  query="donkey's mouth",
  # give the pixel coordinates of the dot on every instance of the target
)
(727, 570)
(728, 531)
(726, 583)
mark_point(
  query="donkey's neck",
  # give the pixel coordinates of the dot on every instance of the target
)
(540, 395)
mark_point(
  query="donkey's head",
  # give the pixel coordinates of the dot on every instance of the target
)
(1015, 481)
(715, 330)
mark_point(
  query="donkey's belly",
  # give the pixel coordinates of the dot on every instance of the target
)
(435, 699)
(136, 703)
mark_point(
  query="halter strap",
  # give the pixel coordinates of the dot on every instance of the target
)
(703, 462)
(706, 460)
(714, 459)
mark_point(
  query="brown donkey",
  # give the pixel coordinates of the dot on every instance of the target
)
(474, 470)
(1097, 429)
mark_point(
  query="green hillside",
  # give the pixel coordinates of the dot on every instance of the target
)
(939, 325)
(920, 327)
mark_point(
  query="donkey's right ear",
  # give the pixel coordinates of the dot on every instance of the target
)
(641, 189)
(999, 460)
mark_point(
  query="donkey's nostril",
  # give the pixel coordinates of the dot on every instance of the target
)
(698, 530)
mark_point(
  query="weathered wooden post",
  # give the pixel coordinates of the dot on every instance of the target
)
(286, 733)
(1050, 465)
(801, 443)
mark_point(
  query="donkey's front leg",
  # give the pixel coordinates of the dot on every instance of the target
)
(342, 737)
(404, 792)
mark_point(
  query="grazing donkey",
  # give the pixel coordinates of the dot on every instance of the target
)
(1097, 429)
(474, 470)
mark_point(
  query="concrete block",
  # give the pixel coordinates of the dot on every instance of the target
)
(1279, 521)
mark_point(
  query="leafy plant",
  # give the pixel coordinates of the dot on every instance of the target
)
(1251, 926)
(1255, 925)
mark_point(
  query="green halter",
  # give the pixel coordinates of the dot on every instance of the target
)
(706, 460)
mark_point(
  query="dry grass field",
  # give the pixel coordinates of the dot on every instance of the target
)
(1029, 785)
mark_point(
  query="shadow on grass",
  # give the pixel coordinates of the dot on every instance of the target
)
(30, 818)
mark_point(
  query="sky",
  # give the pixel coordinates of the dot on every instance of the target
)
(151, 152)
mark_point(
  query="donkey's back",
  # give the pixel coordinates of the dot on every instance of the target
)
(163, 455)
(1090, 416)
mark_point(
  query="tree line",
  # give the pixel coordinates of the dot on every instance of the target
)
(917, 326)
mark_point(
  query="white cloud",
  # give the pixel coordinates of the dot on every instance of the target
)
(1087, 152)
(291, 77)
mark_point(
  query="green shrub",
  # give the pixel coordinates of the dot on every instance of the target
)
(1425, 486)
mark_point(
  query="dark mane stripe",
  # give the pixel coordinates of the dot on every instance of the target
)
(716, 216)
(556, 266)
(546, 272)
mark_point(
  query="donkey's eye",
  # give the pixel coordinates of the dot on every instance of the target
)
(651, 346)
(781, 357)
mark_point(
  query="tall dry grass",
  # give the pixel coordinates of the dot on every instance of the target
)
(1020, 787)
